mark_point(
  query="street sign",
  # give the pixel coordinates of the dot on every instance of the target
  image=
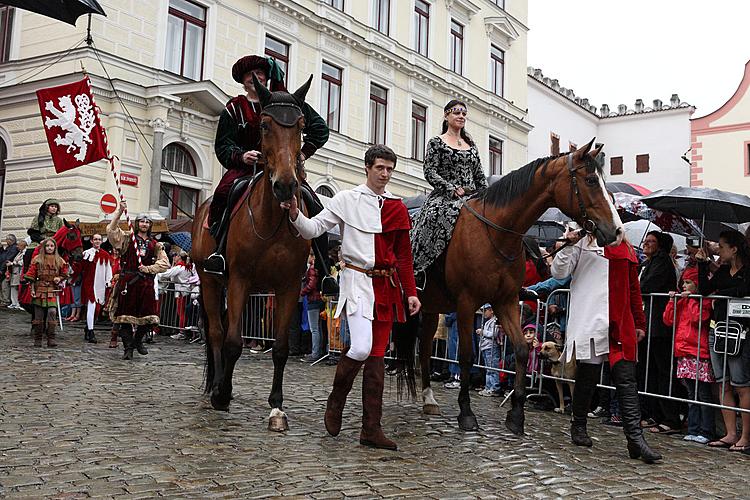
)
(108, 203)
(128, 179)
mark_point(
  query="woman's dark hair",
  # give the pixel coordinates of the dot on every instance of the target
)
(737, 240)
(534, 252)
(665, 240)
(464, 134)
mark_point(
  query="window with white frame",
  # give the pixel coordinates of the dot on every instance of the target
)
(496, 156)
(330, 95)
(457, 46)
(280, 52)
(418, 130)
(421, 26)
(6, 31)
(177, 201)
(336, 4)
(186, 36)
(381, 14)
(378, 113)
(497, 63)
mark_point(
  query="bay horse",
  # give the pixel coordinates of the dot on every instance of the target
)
(263, 253)
(485, 263)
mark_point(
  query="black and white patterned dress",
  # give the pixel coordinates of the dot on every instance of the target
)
(446, 169)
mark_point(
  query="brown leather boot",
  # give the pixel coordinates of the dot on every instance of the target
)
(372, 405)
(37, 332)
(113, 339)
(51, 328)
(346, 372)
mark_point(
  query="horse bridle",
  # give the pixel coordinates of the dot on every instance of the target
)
(589, 226)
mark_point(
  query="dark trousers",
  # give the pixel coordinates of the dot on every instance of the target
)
(700, 417)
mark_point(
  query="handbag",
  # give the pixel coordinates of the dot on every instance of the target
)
(728, 337)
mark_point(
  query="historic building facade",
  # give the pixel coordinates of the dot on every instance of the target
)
(382, 72)
(721, 143)
(644, 145)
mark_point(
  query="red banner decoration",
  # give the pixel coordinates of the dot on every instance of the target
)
(72, 125)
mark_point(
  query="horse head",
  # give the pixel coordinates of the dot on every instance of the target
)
(578, 190)
(281, 124)
(68, 238)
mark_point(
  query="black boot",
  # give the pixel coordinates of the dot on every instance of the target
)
(624, 378)
(92, 336)
(215, 263)
(587, 376)
(139, 343)
(127, 342)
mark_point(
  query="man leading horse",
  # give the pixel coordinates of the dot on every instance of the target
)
(238, 139)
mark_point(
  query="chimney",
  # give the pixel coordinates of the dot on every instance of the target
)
(585, 103)
(555, 84)
(657, 104)
(604, 112)
(639, 105)
(674, 100)
(622, 109)
(538, 74)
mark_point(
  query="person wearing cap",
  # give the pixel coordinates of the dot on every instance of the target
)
(490, 351)
(134, 308)
(237, 143)
(44, 225)
(375, 284)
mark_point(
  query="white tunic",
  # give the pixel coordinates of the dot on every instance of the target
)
(357, 213)
(588, 308)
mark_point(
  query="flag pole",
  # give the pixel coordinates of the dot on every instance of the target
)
(111, 160)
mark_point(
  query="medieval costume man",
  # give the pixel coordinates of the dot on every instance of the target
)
(134, 307)
(237, 143)
(376, 250)
(96, 277)
(46, 272)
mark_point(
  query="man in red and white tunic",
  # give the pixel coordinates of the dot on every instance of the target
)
(375, 245)
(96, 277)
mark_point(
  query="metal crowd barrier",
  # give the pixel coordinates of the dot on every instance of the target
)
(736, 308)
(179, 312)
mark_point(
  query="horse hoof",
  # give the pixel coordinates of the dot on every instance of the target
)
(514, 426)
(219, 404)
(278, 424)
(431, 410)
(468, 423)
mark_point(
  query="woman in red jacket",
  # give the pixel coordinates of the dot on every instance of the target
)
(691, 338)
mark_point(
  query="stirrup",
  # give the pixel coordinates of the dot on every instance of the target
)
(215, 264)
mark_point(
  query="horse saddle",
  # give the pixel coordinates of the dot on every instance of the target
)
(239, 192)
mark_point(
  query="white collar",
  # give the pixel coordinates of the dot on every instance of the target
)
(364, 189)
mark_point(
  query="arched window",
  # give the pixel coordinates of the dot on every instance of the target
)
(325, 191)
(176, 158)
(176, 201)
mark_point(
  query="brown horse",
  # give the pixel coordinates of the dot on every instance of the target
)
(263, 253)
(485, 261)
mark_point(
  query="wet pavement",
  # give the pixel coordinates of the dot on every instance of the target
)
(78, 422)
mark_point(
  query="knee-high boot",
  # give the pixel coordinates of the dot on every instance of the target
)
(587, 376)
(372, 405)
(624, 377)
(51, 330)
(128, 343)
(138, 343)
(346, 372)
(113, 339)
(37, 332)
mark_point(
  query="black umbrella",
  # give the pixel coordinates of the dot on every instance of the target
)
(64, 10)
(702, 204)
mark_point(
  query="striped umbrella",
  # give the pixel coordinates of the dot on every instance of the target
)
(627, 187)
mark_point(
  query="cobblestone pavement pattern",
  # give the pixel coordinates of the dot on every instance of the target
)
(77, 421)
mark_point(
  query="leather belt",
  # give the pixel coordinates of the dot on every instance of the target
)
(372, 272)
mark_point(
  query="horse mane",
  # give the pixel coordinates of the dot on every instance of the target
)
(517, 182)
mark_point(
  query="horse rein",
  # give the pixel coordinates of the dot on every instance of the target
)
(589, 226)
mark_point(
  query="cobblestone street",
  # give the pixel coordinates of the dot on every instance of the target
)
(77, 421)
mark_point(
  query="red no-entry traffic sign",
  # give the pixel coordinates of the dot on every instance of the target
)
(108, 203)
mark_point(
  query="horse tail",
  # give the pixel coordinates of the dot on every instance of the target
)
(208, 367)
(405, 337)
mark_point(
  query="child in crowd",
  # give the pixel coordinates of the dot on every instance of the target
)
(46, 272)
(693, 360)
(490, 352)
(531, 338)
(16, 269)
